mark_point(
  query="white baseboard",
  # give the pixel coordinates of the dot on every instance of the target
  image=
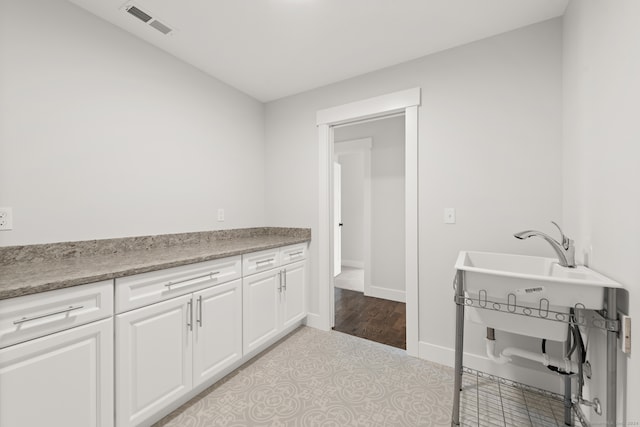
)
(315, 321)
(533, 377)
(352, 263)
(386, 293)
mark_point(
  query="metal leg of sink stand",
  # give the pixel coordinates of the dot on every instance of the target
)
(457, 384)
(612, 356)
(567, 385)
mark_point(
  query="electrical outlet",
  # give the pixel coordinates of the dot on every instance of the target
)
(449, 215)
(625, 332)
(220, 214)
(6, 219)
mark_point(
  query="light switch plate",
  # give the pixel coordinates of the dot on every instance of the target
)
(449, 215)
(220, 214)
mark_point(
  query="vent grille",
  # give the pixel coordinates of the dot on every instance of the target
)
(160, 27)
(138, 14)
(148, 19)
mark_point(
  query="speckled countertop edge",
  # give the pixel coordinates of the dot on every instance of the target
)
(40, 273)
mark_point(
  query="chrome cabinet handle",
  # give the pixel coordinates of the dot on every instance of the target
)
(264, 261)
(295, 254)
(66, 310)
(190, 315)
(284, 274)
(208, 275)
(199, 316)
(280, 281)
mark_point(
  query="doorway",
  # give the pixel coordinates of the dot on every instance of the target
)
(369, 182)
(407, 102)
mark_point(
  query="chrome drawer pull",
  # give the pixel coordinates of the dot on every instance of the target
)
(266, 261)
(295, 254)
(190, 315)
(66, 310)
(209, 275)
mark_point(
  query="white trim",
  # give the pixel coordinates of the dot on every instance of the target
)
(411, 228)
(325, 263)
(353, 263)
(407, 100)
(533, 377)
(372, 107)
(315, 321)
(386, 293)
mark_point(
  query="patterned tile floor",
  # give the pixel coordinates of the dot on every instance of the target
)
(330, 379)
(316, 378)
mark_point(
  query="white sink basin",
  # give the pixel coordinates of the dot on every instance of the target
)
(538, 283)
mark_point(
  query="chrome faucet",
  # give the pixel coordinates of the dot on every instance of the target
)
(564, 250)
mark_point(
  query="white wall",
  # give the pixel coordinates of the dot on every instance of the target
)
(387, 203)
(489, 145)
(352, 190)
(601, 150)
(103, 135)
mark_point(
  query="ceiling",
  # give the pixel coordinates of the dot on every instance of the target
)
(270, 49)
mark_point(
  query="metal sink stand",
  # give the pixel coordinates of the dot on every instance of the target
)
(606, 320)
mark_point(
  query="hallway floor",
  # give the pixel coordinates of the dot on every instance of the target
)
(371, 318)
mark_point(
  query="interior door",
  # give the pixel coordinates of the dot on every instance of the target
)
(337, 219)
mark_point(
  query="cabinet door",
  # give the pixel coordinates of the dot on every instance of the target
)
(61, 380)
(217, 330)
(153, 358)
(260, 295)
(293, 299)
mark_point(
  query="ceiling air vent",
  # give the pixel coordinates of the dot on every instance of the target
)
(148, 19)
(138, 14)
(160, 27)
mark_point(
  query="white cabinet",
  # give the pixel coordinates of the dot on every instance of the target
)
(261, 305)
(33, 316)
(217, 330)
(160, 285)
(60, 380)
(273, 300)
(153, 358)
(166, 349)
(293, 294)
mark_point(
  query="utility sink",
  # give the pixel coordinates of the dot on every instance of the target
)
(540, 284)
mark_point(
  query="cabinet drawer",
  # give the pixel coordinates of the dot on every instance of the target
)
(32, 316)
(293, 253)
(256, 262)
(155, 286)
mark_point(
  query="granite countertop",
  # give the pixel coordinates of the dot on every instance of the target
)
(32, 269)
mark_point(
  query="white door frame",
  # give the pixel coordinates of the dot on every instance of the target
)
(406, 101)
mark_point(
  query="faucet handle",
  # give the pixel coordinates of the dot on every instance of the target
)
(566, 242)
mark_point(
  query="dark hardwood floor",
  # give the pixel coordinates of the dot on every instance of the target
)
(375, 319)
